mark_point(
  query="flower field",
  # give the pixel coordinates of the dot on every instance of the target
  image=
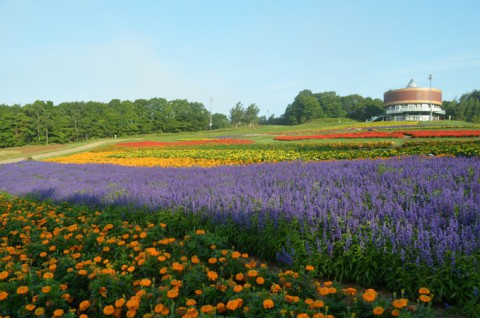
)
(442, 133)
(64, 261)
(356, 135)
(153, 229)
(387, 134)
(219, 154)
(398, 223)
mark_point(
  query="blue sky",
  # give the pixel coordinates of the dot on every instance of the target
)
(249, 51)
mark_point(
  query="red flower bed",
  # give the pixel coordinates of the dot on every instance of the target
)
(143, 144)
(366, 134)
(442, 133)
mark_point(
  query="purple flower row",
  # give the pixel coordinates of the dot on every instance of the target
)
(423, 209)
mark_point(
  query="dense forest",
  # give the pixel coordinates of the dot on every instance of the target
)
(467, 108)
(42, 122)
(308, 106)
(45, 123)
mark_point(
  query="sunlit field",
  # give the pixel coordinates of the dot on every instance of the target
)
(373, 221)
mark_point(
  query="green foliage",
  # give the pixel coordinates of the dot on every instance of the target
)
(44, 123)
(467, 108)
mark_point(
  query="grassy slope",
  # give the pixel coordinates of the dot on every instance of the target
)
(260, 134)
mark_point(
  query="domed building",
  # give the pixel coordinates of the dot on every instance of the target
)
(413, 103)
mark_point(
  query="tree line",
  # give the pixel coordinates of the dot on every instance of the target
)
(42, 122)
(467, 108)
(308, 106)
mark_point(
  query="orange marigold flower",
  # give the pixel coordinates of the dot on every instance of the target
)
(236, 255)
(84, 305)
(191, 302)
(207, 309)
(145, 282)
(239, 277)
(158, 308)
(39, 311)
(395, 313)
(291, 299)
(221, 307)
(425, 298)
(3, 275)
(370, 295)
(238, 288)
(252, 273)
(309, 268)
(176, 283)
(268, 303)
(133, 303)
(324, 291)
(200, 232)
(318, 304)
(177, 267)
(309, 301)
(212, 275)
(58, 313)
(328, 284)
(275, 288)
(48, 275)
(377, 311)
(194, 259)
(198, 292)
(108, 310)
(260, 280)
(400, 303)
(424, 291)
(172, 293)
(3, 295)
(30, 307)
(350, 291)
(303, 315)
(120, 302)
(22, 290)
(46, 289)
(212, 260)
(232, 305)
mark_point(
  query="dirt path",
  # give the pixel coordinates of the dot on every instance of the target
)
(55, 153)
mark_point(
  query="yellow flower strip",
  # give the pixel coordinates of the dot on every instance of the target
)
(105, 158)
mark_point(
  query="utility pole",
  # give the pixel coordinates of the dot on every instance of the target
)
(211, 102)
(431, 111)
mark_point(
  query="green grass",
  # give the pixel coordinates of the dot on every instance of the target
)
(259, 134)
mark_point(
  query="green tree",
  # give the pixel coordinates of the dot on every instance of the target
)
(251, 115)
(305, 107)
(331, 104)
(237, 114)
(220, 121)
